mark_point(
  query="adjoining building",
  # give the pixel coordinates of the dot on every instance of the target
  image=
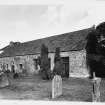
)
(23, 56)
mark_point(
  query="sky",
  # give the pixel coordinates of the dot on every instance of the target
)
(26, 21)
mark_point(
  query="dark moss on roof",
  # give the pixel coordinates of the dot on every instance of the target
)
(67, 42)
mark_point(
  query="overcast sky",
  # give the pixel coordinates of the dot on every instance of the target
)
(25, 22)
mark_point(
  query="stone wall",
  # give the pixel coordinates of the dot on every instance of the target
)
(27, 62)
(77, 63)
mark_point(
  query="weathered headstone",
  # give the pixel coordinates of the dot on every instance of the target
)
(96, 89)
(3, 80)
(56, 86)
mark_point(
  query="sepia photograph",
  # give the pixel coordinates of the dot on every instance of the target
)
(52, 51)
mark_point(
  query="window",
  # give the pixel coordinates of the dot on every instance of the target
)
(13, 68)
(21, 66)
(1, 66)
(49, 62)
(7, 66)
(4, 67)
(36, 63)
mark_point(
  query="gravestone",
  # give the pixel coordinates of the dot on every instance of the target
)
(56, 86)
(96, 89)
(3, 80)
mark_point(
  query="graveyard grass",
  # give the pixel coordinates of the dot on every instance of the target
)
(34, 88)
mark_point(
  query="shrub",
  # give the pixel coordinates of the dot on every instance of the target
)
(58, 65)
(44, 63)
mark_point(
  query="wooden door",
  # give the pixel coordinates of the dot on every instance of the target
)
(66, 66)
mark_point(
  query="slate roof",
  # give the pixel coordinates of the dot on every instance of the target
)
(67, 42)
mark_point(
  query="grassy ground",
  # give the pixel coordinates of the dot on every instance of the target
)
(34, 88)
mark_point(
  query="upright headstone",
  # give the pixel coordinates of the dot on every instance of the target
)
(96, 89)
(56, 86)
(3, 80)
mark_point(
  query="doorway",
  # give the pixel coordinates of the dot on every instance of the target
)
(13, 68)
(66, 66)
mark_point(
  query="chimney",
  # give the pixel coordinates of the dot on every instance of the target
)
(14, 43)
(11, 43)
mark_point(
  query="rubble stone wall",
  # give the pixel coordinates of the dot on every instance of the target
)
(77, 63)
